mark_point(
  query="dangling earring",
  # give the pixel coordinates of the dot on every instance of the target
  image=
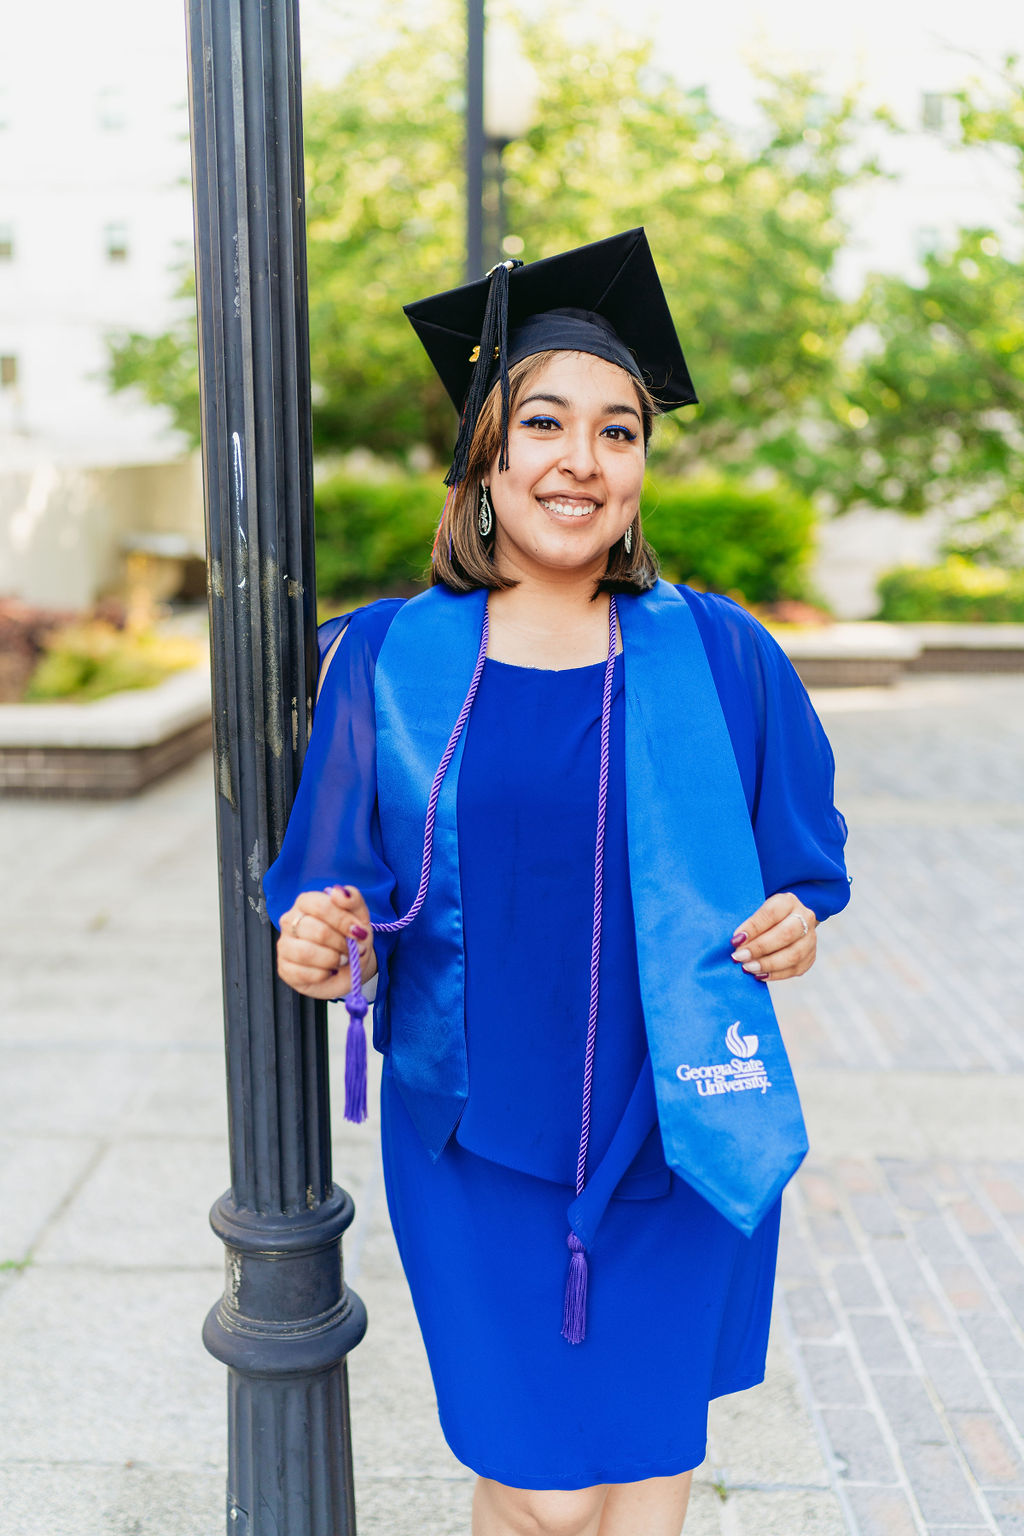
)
(627, 540)
(485, 517)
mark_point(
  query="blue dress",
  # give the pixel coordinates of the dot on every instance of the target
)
(679, 1301)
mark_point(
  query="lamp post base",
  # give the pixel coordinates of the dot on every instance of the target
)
(291, 1466)
(284, 1327)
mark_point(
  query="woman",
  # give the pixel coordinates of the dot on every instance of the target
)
(577, 784)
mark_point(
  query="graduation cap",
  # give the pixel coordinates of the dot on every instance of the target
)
(605, 299)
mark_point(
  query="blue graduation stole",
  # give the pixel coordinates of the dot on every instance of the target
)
(727, 1105)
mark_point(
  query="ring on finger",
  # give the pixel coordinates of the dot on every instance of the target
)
(295, 924)
(803, 921)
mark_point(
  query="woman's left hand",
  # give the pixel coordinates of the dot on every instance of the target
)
(778, 940)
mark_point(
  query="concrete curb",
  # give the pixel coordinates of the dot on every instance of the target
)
(872, 653)
(112, 747)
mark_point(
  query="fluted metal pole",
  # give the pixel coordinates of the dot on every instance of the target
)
(475, 146)
(286, 1320)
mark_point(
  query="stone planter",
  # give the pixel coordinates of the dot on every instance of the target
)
(969, 648)
(849, 655)
(111, 748)
(873, 653)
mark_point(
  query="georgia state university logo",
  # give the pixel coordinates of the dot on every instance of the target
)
(745, 1071)
(743, 1046)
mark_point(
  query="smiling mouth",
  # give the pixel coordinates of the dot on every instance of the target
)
(567, 506)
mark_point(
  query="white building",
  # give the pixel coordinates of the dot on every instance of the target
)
(95, 215)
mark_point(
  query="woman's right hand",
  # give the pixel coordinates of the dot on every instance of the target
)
(312, 949)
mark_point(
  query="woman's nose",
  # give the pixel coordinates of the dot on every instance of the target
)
(578, 457)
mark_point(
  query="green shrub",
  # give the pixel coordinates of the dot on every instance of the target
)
(958, 590)
(724, 536)
(89, 660)
(372, 536)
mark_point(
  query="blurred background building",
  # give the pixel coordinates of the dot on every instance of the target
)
(95, 220)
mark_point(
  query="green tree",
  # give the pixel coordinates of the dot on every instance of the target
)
(744, 229)
(384, 219)
(164, 367)
(934, 406)
(745, 232)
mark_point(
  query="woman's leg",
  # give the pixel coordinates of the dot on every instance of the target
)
(654, 1507)
(502, 1511)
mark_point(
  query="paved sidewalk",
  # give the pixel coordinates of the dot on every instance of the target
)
(895, 1397)
(902, 1273)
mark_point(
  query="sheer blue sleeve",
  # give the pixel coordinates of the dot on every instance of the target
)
(783, 754)
(333, 834)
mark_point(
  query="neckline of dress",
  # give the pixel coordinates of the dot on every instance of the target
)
(514, 666)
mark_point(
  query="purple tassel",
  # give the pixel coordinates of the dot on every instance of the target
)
(355, 1067)
(355, 1043)
(574, 1320)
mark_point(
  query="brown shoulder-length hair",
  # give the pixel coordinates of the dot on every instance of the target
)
(463, 560)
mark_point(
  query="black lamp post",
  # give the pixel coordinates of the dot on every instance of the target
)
(475, 146)
(510, 91)
(286, 1320)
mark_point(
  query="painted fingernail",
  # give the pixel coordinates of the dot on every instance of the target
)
(739, 938)
(358, 932)
(752, 966)
(346, 891)
(742, 954)
(762, 978)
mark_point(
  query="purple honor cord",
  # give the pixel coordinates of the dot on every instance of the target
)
(355, 1002)
(575, 1310)
(574, 1317)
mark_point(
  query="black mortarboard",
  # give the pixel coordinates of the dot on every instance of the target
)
(605, 298)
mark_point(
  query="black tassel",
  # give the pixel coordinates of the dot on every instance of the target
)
(493, 345)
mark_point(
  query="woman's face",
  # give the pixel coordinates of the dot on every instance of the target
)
(576, 467)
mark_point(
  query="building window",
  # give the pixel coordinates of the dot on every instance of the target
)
(6, 242)
(111, 112)
(934, 111)
(115, 242)
(8, 371)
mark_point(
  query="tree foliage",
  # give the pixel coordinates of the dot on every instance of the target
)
(938, 408)
(163, 367)
(744, 234)
(936, 400)
(925, 405)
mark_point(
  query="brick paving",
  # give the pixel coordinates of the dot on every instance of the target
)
(901, 1277)
(894, 1401)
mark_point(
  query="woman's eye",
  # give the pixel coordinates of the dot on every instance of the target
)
(620, 434)
(544, 422)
